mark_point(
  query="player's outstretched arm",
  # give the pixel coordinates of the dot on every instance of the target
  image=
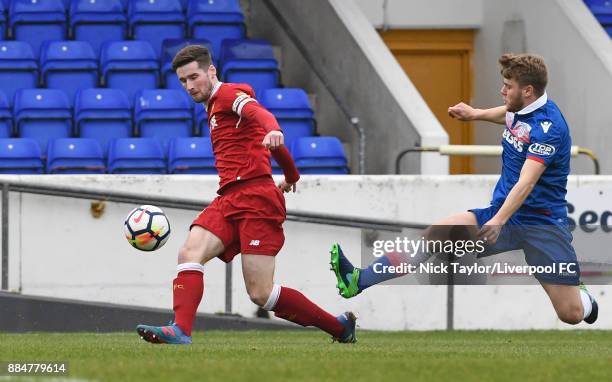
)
(465, 112)
(530, 174)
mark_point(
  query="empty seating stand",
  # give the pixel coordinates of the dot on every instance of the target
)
(97, 22)
(18, 68)
(103, 115)
(191, 156)
(170, 47)
(163, 114)
(130, 66)
(136, 156)
(20, 156)
(42, 114)
(215, 20)
(156, 20)
(36, 21)
(251, 62)
(92, 69)
(292, 110)
(75, 156)
(320, 155)
(69, 66)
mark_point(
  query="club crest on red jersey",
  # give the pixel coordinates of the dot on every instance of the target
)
(213, 122)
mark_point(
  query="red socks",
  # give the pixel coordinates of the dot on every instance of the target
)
(286, 303)
(188, 290)
(294, 306)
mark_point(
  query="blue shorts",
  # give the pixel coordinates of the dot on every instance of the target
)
(544, 238)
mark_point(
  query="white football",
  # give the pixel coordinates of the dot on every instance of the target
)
(147, 228)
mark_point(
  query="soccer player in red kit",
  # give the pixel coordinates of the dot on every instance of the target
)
(247, 215)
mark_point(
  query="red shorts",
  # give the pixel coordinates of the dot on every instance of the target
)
(248, 218)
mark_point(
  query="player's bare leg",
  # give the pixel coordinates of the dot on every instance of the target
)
(289, 304)
(572, 303)
(258, 273)
(188, 287)
(351, 280)
(200, 247)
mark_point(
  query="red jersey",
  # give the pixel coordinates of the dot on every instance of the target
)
(237, 132)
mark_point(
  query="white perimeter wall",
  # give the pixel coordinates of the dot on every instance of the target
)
(58, 249)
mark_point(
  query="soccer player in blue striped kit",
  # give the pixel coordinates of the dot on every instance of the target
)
(528, 210)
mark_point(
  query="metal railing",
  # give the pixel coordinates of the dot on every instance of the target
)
(483, 150)
(184, 204)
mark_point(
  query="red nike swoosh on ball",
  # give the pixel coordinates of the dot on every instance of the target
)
(137, 220)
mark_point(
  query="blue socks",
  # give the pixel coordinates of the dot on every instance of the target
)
(369, 276)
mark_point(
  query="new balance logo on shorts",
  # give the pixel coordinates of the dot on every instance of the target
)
(254, 243)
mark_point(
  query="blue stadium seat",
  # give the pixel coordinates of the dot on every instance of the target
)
(18, 68)
(602, 9)
(163, 114)
(156, 20)
(292, 110)
(6, 117)
(130, 66)
(251, 62)
(97, 22)
(42, 114)
(191, 156)
(319, 155)
(103, 115)
(201, 121)
(2, 22)
(170, 48)
(215, 20)
(75, 156)
(20, 156)
(36, 21)
(69, 66)
(136, 156)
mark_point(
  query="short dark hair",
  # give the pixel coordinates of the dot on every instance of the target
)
(526, 69)
(192, 53)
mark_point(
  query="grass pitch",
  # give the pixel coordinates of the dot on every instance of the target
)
(310, 356)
